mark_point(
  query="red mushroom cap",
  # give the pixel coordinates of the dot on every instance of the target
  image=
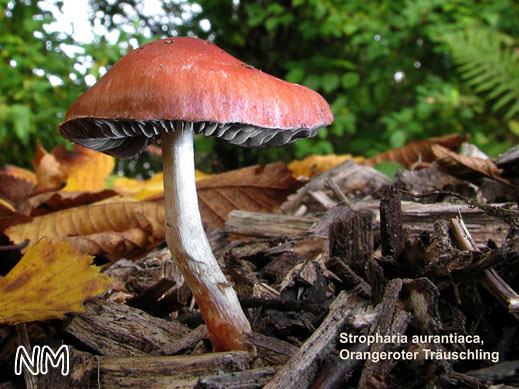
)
(192, 81)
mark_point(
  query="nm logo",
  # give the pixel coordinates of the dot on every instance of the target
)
(38, 362)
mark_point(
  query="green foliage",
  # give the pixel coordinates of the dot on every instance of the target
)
(381, 65)
(388, 168)
(36, 80)
(490, 64)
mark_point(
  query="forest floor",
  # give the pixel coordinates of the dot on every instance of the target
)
(356, 282)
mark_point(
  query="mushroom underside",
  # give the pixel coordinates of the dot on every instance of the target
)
(127, 138)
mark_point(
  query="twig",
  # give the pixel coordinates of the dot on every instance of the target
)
(19, 246)
(490, 279)
(338, 192)
(508, 216)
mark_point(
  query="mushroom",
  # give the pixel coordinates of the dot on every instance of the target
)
(170, 90)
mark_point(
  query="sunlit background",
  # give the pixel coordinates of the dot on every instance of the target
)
(391, 70)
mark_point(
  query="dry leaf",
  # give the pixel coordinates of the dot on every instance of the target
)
(9, 216)
(314, 165)
(145, 189)
(43, 203)
(127, 228)
(418, 151)
(114, 245)
(19, 172)
(99, 229)
(87, 170)
(14, 188)
(254, 188)
(49, 281)
(140, 189)
(466, 168)
(6, 207)
(49, 174)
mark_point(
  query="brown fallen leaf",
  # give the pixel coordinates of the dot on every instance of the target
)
(6, 207)
(314, 165)
(20, 173)
(418, 152)
(49, 173)
(15, 188)
(9, 216)
(117, 229)
(43, 203)
(49, 281)
(86, 170)
(99, 229)
(466, 168)
(254, 188)
(114, 245)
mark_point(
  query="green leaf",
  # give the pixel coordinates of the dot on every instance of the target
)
(312, 81)
(514, 127)
(330, 82)
(397, 138)
(388, 168)
(295, 75)
(349, 80)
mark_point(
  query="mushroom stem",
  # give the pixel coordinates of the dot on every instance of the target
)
(185, 235)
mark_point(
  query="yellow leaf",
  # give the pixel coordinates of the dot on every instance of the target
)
(316, 164)
(145, 189)
(87, 170)
(140, 189)
(50, 280)
(49, 173)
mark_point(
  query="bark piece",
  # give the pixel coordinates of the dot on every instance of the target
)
(391, 320)
(354, 180)
(504, 372)
(351, 239)
(267, 225)
(416, 217)
(421, 298)
(273, 350)
(391, 230)
(117, 329)
(490, 279)
(165, 371)
(248, 379)
(186, 342)
(377, 281)
(336, 372)
(348, 276)
(301, 368)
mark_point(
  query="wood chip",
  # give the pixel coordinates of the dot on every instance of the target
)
(301, 368)
(117, 329)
